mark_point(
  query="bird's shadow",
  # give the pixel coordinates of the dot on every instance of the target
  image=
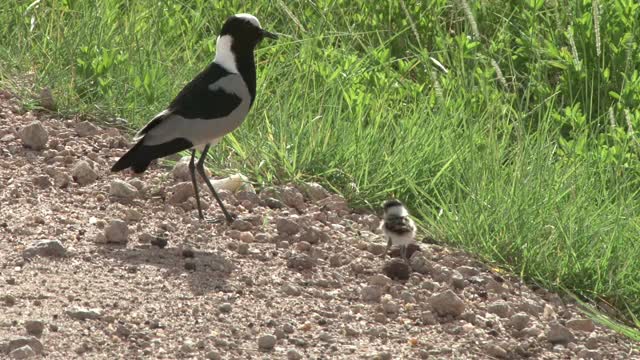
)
(206, 271)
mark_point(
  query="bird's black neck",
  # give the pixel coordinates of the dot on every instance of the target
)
(247, 68)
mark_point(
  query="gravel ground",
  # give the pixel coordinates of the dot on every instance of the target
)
(96, 265)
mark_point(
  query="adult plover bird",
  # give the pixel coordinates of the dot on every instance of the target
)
(212, 105)
(397, 226)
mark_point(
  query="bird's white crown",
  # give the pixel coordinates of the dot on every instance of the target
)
(397, 210)
(250, 18)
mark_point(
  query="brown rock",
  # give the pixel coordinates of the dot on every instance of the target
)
(447, 303)
(397, 269)
(34, 136)
(585, 325)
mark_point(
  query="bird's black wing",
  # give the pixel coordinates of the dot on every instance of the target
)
(197, 101)
(398, 224)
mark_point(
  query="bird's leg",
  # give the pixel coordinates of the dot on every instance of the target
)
(192, 171)
(200, 168)
(403, 252)
(386, 250)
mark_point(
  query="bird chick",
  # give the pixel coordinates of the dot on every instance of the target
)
(398, 228)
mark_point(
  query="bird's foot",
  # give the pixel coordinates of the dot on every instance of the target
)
(209, 220)
(213, 220)
(228, 218)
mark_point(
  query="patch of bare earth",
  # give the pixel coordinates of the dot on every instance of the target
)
(85, 273)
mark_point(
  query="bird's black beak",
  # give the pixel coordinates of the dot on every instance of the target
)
(269, 35)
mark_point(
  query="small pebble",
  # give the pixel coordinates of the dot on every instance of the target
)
(159, 242)
(288, 328)
(241, 225)
(243, 248)
(326, 337)
(122, 331)
(34, 327)
(9, 300)
(246, 237)
(371, 294)
(188, 253)
(225, 308)
(266, 342)
(188, 347)
(190, 266)
(213, 355)
(293, 354)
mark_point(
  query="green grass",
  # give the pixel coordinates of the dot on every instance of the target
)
(522, 151)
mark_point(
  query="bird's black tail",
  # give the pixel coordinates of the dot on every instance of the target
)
(134, 158)
(140, 156)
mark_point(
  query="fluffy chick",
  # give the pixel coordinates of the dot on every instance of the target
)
(397, 226)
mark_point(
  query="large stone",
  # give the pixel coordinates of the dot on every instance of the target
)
(495, 351)
(380, 280)
(20, 341)
(300, 261)
(117, 232)
(86, 128)
(266, 342)
(558, 334)
(312, 235)
(371, 293)
(47, 248)
(447, 303)
(420, 264)
(287, 227)
(84, 314)
(122, 190)
(519, 321)
(590, 354)
(83, 174)
(500, 308)
(585, 325)
(181, 192)
(376, 248)
(292, 197)
(23, 352)
(34, 136)
(181, 171)
(314, 191)
(334, 203)
(34, 327)
(397, 269)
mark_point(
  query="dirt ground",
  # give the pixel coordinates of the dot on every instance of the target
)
(96, 265)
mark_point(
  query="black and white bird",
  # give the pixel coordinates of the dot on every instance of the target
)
(212, 105)
(397, 227)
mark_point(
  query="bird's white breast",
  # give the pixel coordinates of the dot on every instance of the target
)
(404, 239)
